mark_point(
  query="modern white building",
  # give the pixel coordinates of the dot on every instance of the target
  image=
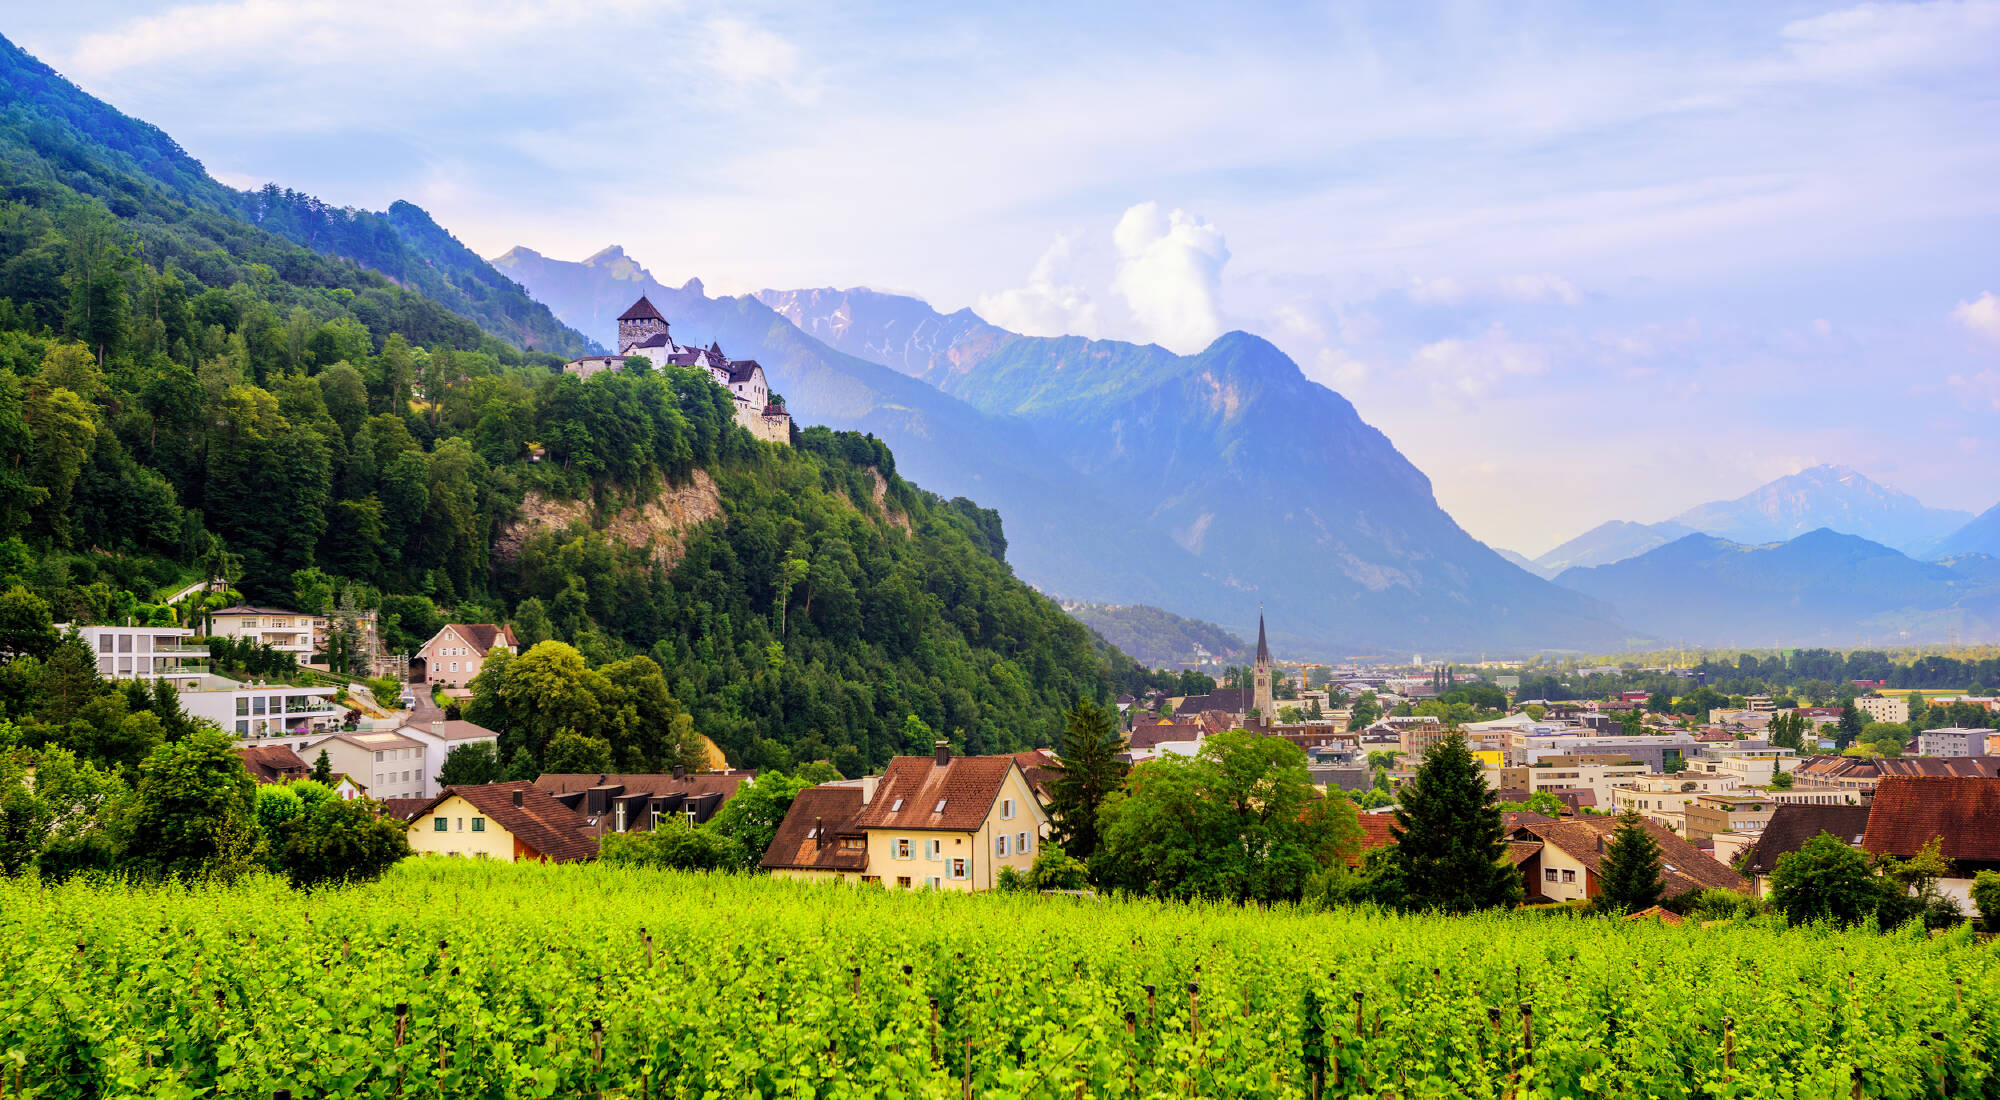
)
(399, 763)
(1884, 708)
(290, 632)
(259, 710)
(1955, 741)
(144, 652)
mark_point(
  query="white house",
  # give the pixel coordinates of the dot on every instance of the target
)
(290, 632)
(144, 652)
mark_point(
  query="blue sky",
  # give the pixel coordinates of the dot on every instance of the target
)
(1580, 262)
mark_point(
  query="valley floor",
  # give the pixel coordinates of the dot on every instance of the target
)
(455, 979)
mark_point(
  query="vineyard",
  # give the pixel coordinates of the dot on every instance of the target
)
(471, 980)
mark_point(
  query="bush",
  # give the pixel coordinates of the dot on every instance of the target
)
(385, 689)
(1986, 895)
(673, 844)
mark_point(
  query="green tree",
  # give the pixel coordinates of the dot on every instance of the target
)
(1365, 711)
(751, 818)
(1449, 849)
(1055, 869)
(1238, 820)
(1086, 771)
(471, 765)
(1986, 895)
(194, 811)
(26, 625)
(673, 844)
(1825, 881)
(1850, 728)
(338, 840)
(1629, 875)
(322, 769)
(571, 753)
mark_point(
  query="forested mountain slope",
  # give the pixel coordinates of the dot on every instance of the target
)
(184, 393)
(51, 128)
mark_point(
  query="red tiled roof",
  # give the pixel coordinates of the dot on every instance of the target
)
(1664, 916)
(547, 827)
(1036, 769)
(1150, 736)
(405, 809)
(912, 787)
(1796, 823)
(484, 636)
(1909, 810)
(832, 809)
(272, 763)
(1683, 867)
(1374, 832)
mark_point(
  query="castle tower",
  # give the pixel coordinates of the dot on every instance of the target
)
(1261, 676)
(639, 323)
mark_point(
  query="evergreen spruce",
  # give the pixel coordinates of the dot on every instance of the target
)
(1629, 878)
(1087, 769)
(1851, 725)
(1450, 849)
(322, 771)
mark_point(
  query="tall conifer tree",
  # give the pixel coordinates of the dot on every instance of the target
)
(1629, 877)
(1449, 846)
(1088, 770)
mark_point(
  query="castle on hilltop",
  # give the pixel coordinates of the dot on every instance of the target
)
(644, 334)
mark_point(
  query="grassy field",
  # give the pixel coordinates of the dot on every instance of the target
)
(453, 979)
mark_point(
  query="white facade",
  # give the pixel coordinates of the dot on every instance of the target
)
(144, 652)
(260, 710)
(389, 764)
(285, 631)
(1955, 741)
(1884, 708)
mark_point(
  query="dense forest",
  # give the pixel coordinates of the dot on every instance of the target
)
(1159, 637)
(184, 393)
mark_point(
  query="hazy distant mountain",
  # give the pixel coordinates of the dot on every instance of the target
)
(1271, 480)
(1520, 559)
(1607, 543)
(1820, 588)
(1157, 637)
(1981, 536)
(1833, 497)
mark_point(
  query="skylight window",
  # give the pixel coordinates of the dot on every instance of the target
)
(896, 805)
(940, 807)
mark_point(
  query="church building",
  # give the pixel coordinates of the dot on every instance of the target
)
(644, 334)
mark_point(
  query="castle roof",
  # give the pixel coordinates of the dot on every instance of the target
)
(642, 310)
(656, 340)
(742, 369)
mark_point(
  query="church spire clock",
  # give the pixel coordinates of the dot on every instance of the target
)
(1261, 674)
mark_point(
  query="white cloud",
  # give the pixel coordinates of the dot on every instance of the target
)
(1885, 37)
(1459, 371)
(1538, 290)
(1523, 289)
(1337, 370)
(1170, 275)
(1050, 304)
(745, 54)
(1981, 315)
(1982, 388)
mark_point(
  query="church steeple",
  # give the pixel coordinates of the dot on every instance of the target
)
(1260, 676)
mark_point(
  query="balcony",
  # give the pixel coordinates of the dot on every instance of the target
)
(162, 649)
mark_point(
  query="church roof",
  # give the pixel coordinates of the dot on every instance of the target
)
(642, 310)
(1263, 647)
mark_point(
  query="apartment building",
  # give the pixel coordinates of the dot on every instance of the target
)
(144, 652)
(285, 631)
(1884, 708)
(1957, 741)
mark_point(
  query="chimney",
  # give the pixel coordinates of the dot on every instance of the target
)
(942, 750)
(680, 771)
(517, 800)
(819, 832)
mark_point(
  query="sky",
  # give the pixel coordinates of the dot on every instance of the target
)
(1579, 262)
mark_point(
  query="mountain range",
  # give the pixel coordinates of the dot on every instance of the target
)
(1126, 473)
(1836, 498)
(1823, 587)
